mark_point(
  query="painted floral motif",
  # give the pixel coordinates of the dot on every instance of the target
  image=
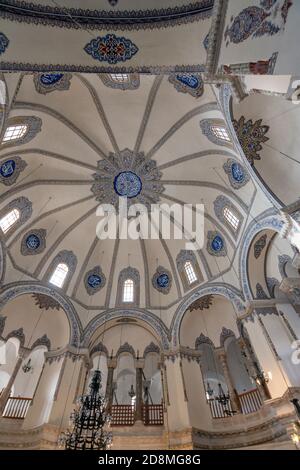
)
(216, 245)
(245, 24)
(128, 184)
(252, 21)
(251, 136)
(10, 170)
(94, 280)
(4, 41)
(127, 173)
(162, 280)
(111, 49)
(33, 242)
(113, 3)
(49, 79)
(237, 174)
(188, 83)
(48, 82)
(267, 28)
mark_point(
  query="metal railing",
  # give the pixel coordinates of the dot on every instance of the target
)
(122, 415)
(153, 415)
(16, 407)
(218, 410)
(250, 401)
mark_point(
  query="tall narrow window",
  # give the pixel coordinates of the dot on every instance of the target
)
(221, 133)
(9, 220)
(59, 275)
(128, 291)
(119, 77)
(14, 132)
(231, 218)
(190, 272)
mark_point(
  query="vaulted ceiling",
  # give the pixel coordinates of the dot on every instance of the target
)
(87, 122)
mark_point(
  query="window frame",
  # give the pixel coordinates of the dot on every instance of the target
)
(12, 214)
(60, 268)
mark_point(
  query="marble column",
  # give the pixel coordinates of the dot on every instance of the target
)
(7, 390)
(111, 364)
(139, 389)
(233, 395)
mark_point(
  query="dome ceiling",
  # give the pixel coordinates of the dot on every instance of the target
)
(97, 142)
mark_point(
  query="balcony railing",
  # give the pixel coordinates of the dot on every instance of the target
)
(250, 402)
(122, 415)
(153, 415)
(125, 415)
(16, 407)
(218, 410)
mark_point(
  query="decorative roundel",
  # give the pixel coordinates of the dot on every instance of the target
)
(217, 243)
(33, 242)
(128, 184)
(49, 79)
(163, 280)
(7, 168)
(188, 80)
(237, 172)
(94, 281)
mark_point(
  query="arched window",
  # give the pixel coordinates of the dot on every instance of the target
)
(221, 133)
(188, 269)
(9, 220)
(59, 275)
(128, 290)
(190, 272)
(231, 218)
(15, 132)
(119, 77)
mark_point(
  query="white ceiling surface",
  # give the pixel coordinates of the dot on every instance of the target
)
(73, 228)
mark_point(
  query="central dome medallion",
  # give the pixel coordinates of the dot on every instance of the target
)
(127, 174)
(128, 184)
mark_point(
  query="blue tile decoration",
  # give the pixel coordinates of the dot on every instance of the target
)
(191, 83)
(10, 170)
(111, 49)
(4, 41)
(128, 184)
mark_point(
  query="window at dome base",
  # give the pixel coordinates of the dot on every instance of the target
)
(119, 77)
(221, 133)
(9, 220)
(14, 132)
(231, 218)
(190, 272)
(128, 291)
(59, 275)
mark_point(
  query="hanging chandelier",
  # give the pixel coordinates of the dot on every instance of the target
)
(90, 421)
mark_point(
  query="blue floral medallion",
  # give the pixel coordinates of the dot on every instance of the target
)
(7, 168)
(188, 83)
(163, 280)
(188, 80)
(10, 170)
(237, 172)
(49, 79)
(94, 280)
(217, 243)
(128, 184)
(245, 24)
(33, 242)
(4, 41)
(111, 49)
